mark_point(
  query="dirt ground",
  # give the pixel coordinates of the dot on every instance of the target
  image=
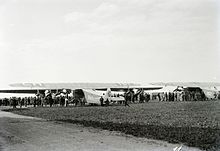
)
(22, 133)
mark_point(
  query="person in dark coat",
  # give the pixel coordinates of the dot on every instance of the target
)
(101, 101)
(126, 100)
(50, 99)
(107, 102)
(35, 101)
(62, 101)
(22, 102)
(166, 97)
(14, 102)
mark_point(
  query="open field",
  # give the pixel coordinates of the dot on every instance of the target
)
(192, 123)
(23, 133)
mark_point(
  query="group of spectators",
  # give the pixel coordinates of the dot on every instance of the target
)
(139, 97)
(14, 101)
(36, 101)
(182, 96)
(129, 97)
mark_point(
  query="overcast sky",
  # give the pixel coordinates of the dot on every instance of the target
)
(109, 41)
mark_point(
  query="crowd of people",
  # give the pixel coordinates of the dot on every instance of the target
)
(36, 101)
(129, 97)
(183, 96)
(138, 97)
(67, 100)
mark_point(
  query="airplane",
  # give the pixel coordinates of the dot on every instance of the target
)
(91, 92)
(210, 89)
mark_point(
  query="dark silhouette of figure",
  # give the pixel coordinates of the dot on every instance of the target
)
(35, 101)
(126, 100)
(62, 101)
(107, 102)
(14, 102)
(159, 98)
(101, 101)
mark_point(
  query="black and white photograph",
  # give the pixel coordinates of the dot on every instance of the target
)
(109, 75)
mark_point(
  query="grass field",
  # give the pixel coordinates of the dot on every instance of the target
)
(195, 124)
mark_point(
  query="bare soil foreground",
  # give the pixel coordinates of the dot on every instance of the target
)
(195, 124)
(22, 133)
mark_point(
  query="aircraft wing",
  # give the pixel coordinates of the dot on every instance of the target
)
(30, 91)
(36, 87)
(151, 87)
(72, 86)
(189, 84)
(33, 88)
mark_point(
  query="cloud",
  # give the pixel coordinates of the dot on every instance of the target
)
(139, 17)
(117, 35)
(74, 17)
(105, 18)
(103, 11)
(98, 20)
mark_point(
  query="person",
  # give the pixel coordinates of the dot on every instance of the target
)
(35, 101)
(22, 102)
(126, 100)
(169, 96)
(132, 96)
(14, 102)
(25, 101)
(75, 101)
(159, 98)
(141, 98)
(101, 101)
(66, 101)
(19, 101)
(107, 102)
(62, 101)
(49, 99)
(166, 97)
(43, 101)
(186, 96)
(172, 96)
(38, 101)
(175, 96)
(29, 100)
